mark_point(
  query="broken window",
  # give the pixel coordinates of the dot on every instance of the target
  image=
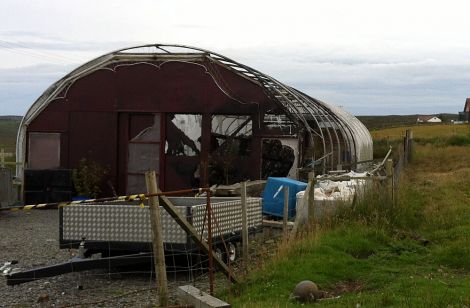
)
(44, 151)
(278, 157)
(231, 142)
(232, 134)
(183, 134)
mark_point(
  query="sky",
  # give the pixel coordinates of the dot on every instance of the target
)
(371, 57)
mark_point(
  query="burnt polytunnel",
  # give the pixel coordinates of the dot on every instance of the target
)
(196, 117)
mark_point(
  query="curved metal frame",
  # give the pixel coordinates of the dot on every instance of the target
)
(298, 107)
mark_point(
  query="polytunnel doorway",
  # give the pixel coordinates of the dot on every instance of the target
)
(143, 150)
(182, 156)
(167, 143)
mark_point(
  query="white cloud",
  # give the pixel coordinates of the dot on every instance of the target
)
(20, 87)
(407, 55)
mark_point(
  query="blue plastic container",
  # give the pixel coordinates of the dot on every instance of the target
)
(273, 196)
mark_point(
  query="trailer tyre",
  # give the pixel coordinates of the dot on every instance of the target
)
(232, 252)
(219, 253)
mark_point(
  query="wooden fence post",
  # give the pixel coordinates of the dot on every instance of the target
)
(244, 225)
(158, 249)
(209, 242)
(405, 148)
(389, 170)
(410, 146)
(286, 211)
(311, 196)
(4, 155)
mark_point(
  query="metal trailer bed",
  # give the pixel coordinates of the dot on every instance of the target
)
(125, 226)
(119, 233)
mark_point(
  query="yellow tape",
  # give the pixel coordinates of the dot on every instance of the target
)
(142, 199)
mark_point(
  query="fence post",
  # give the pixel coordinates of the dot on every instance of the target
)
(2, 158)
(395, 182)
(4, 155)
(405, 149)
(158, 249)
(286, 211)
(209, 242)
(410, 145)
(389, 170)
(311, 196)
(244, 225)
(195, 236)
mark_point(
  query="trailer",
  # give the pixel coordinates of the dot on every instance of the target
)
(119, 233)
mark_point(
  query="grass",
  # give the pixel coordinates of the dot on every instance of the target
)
(414, 254)
(440, 135)
(381, 122)
(421, 131)
(8, 129)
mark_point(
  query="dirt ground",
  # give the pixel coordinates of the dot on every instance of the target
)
(32, 238)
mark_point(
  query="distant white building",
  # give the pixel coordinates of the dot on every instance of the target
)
(428, 119)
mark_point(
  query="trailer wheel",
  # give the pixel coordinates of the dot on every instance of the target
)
(218, 252)
(232, 252)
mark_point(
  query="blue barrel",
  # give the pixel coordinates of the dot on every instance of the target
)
(273, 196)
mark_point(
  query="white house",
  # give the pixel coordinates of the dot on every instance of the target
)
(428, 119)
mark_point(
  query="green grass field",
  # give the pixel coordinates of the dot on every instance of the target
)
(8, 129)
(416, 254)
(380, 122)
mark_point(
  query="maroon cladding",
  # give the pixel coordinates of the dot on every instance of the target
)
(102, 111)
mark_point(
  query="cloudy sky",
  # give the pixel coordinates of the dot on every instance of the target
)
(372, 57)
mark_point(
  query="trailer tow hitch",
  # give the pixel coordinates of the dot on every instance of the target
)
(76, 264)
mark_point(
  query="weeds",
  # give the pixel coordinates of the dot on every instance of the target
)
(413, 252)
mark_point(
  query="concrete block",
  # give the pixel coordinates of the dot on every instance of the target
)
(190, 295)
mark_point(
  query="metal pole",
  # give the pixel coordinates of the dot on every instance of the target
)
(244, 225)
(158, 249)
(209, 242)
(286, 211)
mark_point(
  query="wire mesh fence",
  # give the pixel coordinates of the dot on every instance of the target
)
(116, 238)
(106, 230)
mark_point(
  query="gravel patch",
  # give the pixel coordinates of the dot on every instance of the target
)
(32, 238)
